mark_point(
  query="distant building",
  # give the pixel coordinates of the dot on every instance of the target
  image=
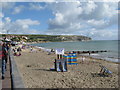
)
(24, 37)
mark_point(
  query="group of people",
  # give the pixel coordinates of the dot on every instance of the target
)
(17, 51)
(4, 48)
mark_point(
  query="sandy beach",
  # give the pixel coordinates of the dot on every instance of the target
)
(35, 71)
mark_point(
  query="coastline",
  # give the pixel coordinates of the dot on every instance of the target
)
(92, 57)
(100, 58)
(35, 71)
(84, 54)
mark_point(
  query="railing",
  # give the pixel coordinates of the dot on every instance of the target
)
(16, 80)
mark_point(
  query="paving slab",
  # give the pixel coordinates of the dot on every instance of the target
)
(6, 83)
(0, 74)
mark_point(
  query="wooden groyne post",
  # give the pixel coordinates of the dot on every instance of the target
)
(89, 52)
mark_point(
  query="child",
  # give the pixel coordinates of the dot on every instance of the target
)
(15, 51)
(31, 49)
(19, 50)
(83, 58)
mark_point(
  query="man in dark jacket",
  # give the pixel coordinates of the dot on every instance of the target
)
(4, 53)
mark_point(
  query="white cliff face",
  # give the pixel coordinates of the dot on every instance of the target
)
(76, 38)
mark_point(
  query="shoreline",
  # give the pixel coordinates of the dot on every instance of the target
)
(100, 58)
(89, 56)
(84, 54)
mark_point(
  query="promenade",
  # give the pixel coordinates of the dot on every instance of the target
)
(0, 79)
(12, 76)
(5, 83)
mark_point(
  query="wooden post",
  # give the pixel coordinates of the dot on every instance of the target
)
(59, 56)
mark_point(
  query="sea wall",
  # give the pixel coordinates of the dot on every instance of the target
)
(16, 79)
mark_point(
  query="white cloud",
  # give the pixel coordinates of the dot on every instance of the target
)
(20, 26)
(18, 9)
(70, 18)
(58, 20)
(57, 0)
(104, 34)
(35, 6)
(97, 23)
(7, 19)
(75, 26)
(1, 15)
(7, 5)
(28, 0)
(27, 22)
(89, 7)
(79, 17)
(65, 14)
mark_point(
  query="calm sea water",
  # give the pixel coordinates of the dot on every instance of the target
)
(110, 45)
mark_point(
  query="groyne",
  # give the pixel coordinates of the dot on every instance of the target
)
(89, 52)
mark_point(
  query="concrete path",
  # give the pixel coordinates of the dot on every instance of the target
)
(0, 75)
(6, 83)
(13, 78)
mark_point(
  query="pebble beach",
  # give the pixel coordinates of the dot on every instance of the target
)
(34, 68)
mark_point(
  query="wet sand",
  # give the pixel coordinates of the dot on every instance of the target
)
(35, 71)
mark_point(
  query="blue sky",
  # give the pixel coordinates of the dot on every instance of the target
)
(98, 20)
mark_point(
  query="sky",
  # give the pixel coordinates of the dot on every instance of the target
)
(98, 20)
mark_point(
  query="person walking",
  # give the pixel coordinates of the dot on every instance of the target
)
(19, 51)
(31, 49)
(4, 55)
(83, 59)
(7, 48)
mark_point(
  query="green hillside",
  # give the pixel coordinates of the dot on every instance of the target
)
(51, 38)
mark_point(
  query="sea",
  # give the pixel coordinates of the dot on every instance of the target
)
(111, 46)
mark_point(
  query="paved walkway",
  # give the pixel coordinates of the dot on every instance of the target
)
(0, 71)
(6, 83)
(16, 81)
